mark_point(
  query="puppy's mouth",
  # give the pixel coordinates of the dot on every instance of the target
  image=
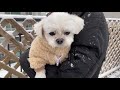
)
(60, 45)
(63, 45)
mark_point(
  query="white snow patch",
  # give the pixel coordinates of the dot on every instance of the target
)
(3, 73)
(71, 65)
(20, 16)
(18, 69)
(113, 73)
(89, 14)
(29, 17)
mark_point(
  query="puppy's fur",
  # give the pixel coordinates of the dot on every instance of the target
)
(55, 35)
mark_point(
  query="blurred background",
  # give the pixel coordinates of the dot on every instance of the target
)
(25, 13)
(112, 14)
(107, 14)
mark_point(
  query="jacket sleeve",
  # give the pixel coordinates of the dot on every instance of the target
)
(88, 50)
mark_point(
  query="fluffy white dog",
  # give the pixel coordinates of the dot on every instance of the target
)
(55, 35)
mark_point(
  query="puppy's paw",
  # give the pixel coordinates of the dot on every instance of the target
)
(40, 76)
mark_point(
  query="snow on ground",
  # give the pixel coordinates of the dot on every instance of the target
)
(115, 74)
(4, 72)
(5, 16)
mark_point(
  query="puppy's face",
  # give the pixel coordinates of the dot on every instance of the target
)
(58, 37)
(59, 28)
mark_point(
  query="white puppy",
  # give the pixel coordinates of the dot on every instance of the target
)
(58, 30)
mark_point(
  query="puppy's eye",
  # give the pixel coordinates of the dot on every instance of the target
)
(52, 33)
(66, 33)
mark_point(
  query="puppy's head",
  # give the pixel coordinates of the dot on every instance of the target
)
(59, 28)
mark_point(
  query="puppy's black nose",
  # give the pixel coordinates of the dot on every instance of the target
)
(60, 40)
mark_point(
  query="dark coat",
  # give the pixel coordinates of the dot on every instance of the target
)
(88, 50)
(87, 53)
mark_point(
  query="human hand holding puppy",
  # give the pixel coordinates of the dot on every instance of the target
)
(55, 35)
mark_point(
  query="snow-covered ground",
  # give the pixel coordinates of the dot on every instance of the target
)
(21, 16)
(115, 74)
(4, 72)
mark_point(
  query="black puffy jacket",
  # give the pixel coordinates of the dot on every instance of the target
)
(88, 50)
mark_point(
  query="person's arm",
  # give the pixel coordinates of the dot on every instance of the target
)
(88, 50)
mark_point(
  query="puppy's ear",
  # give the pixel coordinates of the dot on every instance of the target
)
(79, 23)
(38, 28)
